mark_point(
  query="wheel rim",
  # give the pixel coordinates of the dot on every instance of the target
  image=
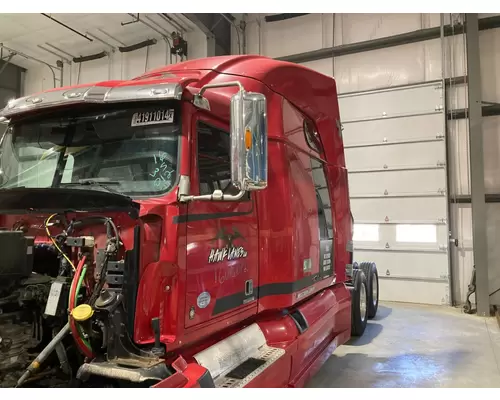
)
(375, 290)
(362, 302)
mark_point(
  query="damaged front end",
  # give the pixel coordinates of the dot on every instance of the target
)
(71, 281)
(72, 239)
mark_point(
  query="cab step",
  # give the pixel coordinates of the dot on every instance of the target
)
(237, 360)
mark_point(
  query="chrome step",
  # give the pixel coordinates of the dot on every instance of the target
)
(268, 354)
(229, 358)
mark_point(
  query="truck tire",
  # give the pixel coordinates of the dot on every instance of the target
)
(371, 273)
(359, 309)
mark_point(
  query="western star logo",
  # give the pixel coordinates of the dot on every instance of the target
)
(230, 251)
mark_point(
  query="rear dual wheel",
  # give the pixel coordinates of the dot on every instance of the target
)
(359, 303)
(371, 274)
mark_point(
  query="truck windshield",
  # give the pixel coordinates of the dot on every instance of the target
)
(133, 149)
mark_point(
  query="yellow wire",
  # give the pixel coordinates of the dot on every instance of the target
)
(55, 243)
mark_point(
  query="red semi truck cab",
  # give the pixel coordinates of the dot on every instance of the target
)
(221, 184)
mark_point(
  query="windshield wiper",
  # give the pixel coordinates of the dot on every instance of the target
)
(96, 182)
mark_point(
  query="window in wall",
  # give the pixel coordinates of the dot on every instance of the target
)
(416, 233)
(366, 233)
(214, 161)
(323, 196)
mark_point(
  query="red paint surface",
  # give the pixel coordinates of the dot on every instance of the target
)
(280, 231)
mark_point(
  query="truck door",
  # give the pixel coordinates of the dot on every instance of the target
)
(222, 238)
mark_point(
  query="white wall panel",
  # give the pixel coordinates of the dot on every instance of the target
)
(399, 209)
(380, 68)
(286, 37)
(393, 129)
(489, 44)
(316, 31)
(413, 291)
(462, 258)
(493, 235)
(362, 27)
(412, 63)
(458, 157)
(402, 265)
(123, 65)
(397, 182)
(423, 154)
(410, 101)
(491, 137)
(457, 97)
(393, 66)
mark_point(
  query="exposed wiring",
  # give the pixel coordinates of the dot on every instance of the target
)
(55, 243)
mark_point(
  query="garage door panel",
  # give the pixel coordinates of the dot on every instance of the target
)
(422, 99)
(398, 182)
(395, 265)
(414, 291)
(407, 209)
(395, 156)
(396, 160)
(393, 129)
(402, 236)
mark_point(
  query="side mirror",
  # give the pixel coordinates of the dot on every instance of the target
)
(248, 144)
(249, 141)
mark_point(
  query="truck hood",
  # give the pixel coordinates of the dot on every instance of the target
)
(46, 200)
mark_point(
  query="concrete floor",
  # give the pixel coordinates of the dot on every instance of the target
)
(417, 346)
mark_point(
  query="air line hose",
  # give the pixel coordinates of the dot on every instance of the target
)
(81, 344)
(80, 330)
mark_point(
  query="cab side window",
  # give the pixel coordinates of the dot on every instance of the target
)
(214, 161)
(323, 197)
(312, 137)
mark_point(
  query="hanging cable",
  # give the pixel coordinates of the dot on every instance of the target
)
(55, 243)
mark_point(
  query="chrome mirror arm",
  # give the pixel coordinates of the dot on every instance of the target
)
(217, 195)
(183, 195)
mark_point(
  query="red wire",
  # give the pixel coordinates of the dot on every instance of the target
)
(74, 283)
(72, 324)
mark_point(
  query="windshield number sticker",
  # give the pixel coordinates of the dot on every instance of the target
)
(153, 117)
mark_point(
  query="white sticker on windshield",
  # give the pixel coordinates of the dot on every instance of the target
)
(153, 117)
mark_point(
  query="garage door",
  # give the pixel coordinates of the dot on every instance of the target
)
(396, 156)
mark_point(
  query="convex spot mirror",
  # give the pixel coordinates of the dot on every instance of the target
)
(249, 141)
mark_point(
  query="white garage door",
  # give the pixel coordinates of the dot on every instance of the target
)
(396, 156)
